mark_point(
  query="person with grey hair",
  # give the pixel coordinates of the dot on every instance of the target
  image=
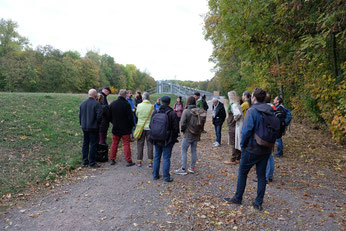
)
(143, 113)
(121, 116)
(90, 115)
(235, 124)
(219, 116)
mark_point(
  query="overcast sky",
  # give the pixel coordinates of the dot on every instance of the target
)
(163, 37)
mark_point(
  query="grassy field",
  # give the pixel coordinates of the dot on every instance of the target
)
(40, 138)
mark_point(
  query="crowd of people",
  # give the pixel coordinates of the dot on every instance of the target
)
(254, 126)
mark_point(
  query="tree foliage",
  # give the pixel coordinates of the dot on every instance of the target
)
(46, 69)
(292, 48)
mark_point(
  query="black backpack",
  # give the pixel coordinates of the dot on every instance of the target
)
(268, 130)
(159, 126)
(205, 105)
(101, 153)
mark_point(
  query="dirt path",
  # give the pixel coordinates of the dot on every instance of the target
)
(308, 193)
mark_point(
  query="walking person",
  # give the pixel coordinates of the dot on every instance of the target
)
(121, 117)
(235, 124)
(255, 125)
(219, 116)
(90, 115)
(191, 136)
(143, 113)
(164, 128)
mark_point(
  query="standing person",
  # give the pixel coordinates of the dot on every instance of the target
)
(143, 113)
(133, 108)
(105, 92)
(121, 117)
(104, 125)
(246, 97)
(138, 98)
(164, 130)
(235, 124)
(271, 164)
(252, 152)
(281, 114)
(157, 105)
(205, 104)
(90, 114)
(190, 137)
(199, 103)
(219, 116)
(179, 107)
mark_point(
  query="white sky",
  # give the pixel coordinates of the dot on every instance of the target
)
(163, 37)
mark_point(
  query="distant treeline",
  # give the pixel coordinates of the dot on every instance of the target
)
(294, 48)
(46, 69)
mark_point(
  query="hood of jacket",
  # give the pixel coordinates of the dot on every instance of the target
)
(263, 107)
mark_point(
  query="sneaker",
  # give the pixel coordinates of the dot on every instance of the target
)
(231, 201)
(230, 162)
(113, 162)
(191, 170)
(130, 164)
(150, 165)
(169, 180)
(95, 166)
(139, 164)
(180, 171)
(216, 144)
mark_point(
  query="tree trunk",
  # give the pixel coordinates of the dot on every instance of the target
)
(281, 87)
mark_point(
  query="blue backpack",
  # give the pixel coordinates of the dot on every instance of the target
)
(288, 117)
(268, 130)
(159, 126)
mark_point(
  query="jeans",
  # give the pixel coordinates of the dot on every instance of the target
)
(270, 167)
(247, 161)
(280, 146)
(127, 148)
(166, 151)
(218, 133)
(184, 147)
(90, 139)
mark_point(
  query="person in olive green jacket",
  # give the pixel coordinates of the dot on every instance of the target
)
(144, 112)
(198, 98)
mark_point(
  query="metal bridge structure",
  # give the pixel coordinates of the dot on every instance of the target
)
(166, 87)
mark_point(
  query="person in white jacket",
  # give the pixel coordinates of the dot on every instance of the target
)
(235, 124)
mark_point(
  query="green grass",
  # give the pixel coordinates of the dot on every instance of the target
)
(153, 98)
(40, 138)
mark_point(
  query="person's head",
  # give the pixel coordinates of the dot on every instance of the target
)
(233, 97)
(158, 101)
(106, 91)
(204, 97)
(100, 98)
(258, 95)
(178, 99)
(196, 95)
(166, 100)
(191, 100)
(129, 93)
(92, 93)
(122, 93)
(138, 94)
(268, 98)
(246, 96)
(145, 95)
(278, 100)
(215, 101)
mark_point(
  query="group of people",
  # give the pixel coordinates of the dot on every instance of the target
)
(160, 125)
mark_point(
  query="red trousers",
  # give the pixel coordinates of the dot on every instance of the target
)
(127, 148)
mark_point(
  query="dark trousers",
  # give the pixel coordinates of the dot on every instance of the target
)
(89, 147)
(247, 161)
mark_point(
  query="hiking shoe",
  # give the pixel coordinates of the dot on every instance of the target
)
(113, 162)
(257, 207)
(150, 165)
(139, 164)
(191, 170)
(169, 180)
(130, 164)
(230, 162)
(95, 166)
(180, 171)
(231, 201)
(270, 180)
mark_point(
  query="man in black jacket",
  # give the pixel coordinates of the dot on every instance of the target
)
(164, 148)
(105, 92)
(219, 116)
(90, 115)
(121, 116)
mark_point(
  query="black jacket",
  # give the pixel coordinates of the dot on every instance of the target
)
(90, 115)
(173, 126)
(280, 113)
(105, 102)
(220, 114)
(104, 125)
(121, 116)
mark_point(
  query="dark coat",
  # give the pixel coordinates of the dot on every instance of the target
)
(173, 126)
(220, 114)
(105, 102)
(280, 113)
(104, 125)
(90, 115)
(121, 116)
